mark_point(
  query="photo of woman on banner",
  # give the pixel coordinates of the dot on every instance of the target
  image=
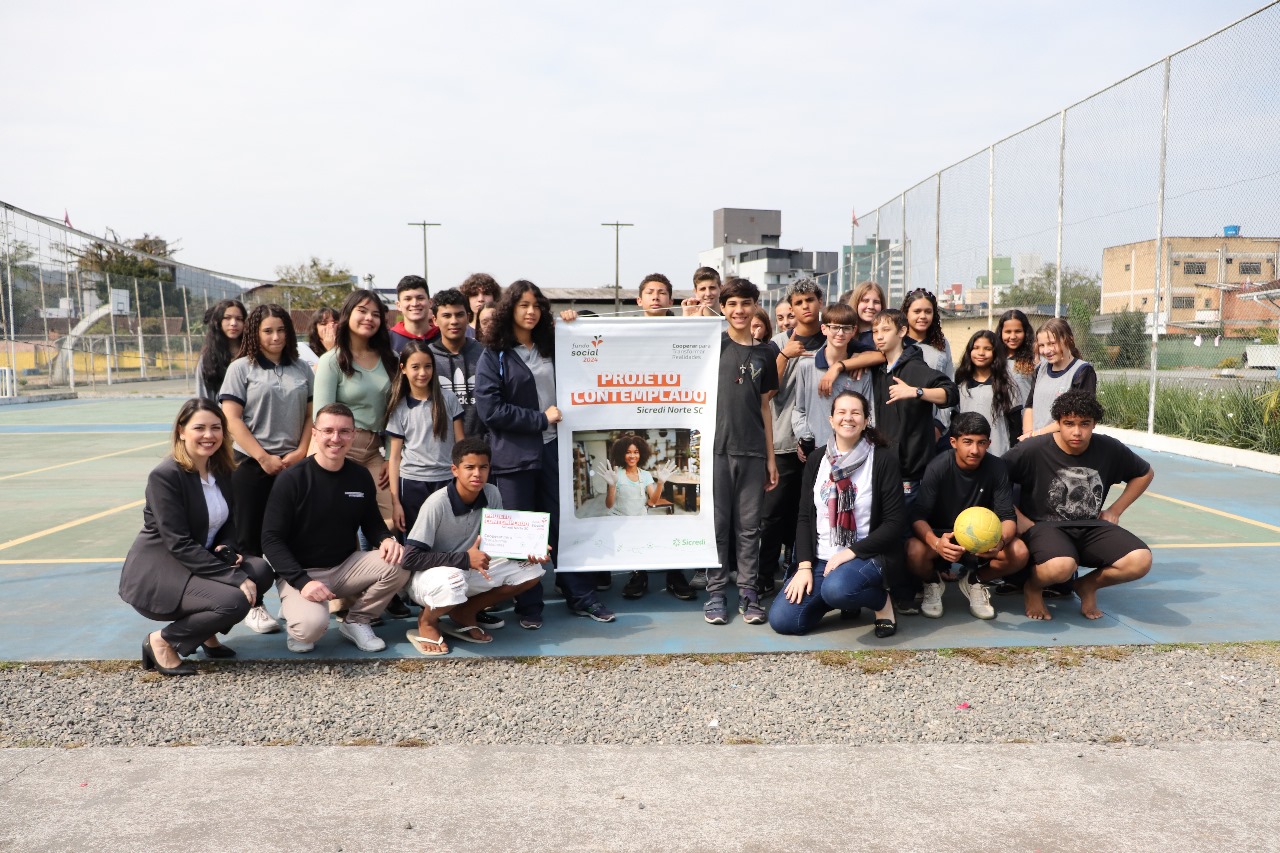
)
(635, 472)
(629, 488)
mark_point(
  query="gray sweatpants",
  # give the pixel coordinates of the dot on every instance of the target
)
(738, 492)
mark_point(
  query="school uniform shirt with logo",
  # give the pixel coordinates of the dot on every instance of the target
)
(1048, 385)
(747, 373)
(274, 397)
(425, 458)
(1059, 487)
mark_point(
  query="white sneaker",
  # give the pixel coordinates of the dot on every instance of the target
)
(979, 597)
(299, 646)
(932, 604)
(260, 621)
(362, 635)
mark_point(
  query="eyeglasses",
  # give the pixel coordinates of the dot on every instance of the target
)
(837, 329)
(340, 433)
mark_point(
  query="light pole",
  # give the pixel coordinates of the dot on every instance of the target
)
(424, 226)
(617, 283)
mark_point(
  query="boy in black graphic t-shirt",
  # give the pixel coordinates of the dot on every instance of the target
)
(1065, 477)
(744, 464)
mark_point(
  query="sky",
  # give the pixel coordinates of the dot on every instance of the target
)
(260, 134)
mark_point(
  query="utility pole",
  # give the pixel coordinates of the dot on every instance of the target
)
(424, 226)
(617, 282)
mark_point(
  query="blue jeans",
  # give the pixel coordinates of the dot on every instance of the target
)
(853, 585)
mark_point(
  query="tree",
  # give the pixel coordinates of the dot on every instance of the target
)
(124, 260)
(1128, 330)
(1078, 288)
(18, 260)
(328, 284)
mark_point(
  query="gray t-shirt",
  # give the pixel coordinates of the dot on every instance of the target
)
(544, 377)
(440, 528)
(274, 397)
(424, 458)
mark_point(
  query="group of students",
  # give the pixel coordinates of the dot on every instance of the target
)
(878, 444)
(350, 471)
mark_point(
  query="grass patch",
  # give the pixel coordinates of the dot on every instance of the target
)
(412, 741)
(1232, 416)
(735, 740)
(868, 662)
(362, 741)
(1115, 739)
(996, 657)
(179, 743)
(108, 667)
(284, 741)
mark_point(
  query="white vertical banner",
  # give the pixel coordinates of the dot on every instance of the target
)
(638, 395)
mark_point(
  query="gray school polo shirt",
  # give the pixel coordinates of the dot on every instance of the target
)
(274, 397)
(425, 458)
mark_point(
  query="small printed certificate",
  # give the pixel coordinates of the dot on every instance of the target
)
(515, 534)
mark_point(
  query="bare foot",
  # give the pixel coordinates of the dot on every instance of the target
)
(1034, 601)
(164, 653)
(1088, 593)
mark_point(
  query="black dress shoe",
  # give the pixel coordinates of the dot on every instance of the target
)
(637, 585)
(217, 651)
(886, 628)
(678, 586)
(149, 662)
(397, 609)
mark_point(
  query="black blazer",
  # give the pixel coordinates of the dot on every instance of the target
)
(888, 517)
(170, 548)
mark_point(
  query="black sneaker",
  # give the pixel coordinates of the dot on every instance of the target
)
(596, 611)
(637, 585)
(679, 587)
(768, 587)
(397, 609)
(907, 607)
(699, 580)
(1006, 588)
(485, 619)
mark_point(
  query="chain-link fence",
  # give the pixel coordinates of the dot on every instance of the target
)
(78, 310)
(1145, 214)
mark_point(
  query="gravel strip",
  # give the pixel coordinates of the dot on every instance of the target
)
(1109, 694)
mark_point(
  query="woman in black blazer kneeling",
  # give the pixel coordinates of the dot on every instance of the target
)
(850, 526)
(184, 567)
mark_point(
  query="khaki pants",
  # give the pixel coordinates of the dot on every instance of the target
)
(364, 578)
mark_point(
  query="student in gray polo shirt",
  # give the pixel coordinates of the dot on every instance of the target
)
(266, 397)
(450, 574)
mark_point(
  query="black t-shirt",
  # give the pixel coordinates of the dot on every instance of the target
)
(1057, 486)
(747, 373)
(946, 490)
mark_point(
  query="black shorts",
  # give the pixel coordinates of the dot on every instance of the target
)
(1093, 546)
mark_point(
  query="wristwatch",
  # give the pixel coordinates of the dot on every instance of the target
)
(919, 393)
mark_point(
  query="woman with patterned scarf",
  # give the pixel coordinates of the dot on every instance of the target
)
(851, 522)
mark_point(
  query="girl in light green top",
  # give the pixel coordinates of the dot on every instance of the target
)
(358, 372)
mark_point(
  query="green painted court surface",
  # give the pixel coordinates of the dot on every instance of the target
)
(72, 475)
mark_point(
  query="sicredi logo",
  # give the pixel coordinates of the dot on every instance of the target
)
(587, 351)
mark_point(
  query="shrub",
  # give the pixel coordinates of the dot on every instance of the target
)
(1231, 416)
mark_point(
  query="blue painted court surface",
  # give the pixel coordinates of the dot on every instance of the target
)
(72, 475)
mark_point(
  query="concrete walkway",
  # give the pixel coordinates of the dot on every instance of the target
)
(1211, 797)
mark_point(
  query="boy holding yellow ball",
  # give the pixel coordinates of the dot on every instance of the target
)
(953, 482)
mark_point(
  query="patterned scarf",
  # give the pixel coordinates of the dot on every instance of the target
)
(840, 493)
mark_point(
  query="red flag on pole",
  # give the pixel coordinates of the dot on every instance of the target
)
(855, 219)
(66, 217)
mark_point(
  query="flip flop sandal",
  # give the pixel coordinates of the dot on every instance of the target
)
(426, 645)
(463, 632)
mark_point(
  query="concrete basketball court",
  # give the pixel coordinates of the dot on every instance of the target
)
(72, 474)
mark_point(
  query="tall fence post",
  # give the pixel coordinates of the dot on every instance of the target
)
(164, 326)
(44, 316)
(875, 255)
(1062, 183)
(142, 348)
(111, 348)
(1156, 284)
(991, 233)
(937, 238)
(13, 316)
(187, 370)
(906, 274)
